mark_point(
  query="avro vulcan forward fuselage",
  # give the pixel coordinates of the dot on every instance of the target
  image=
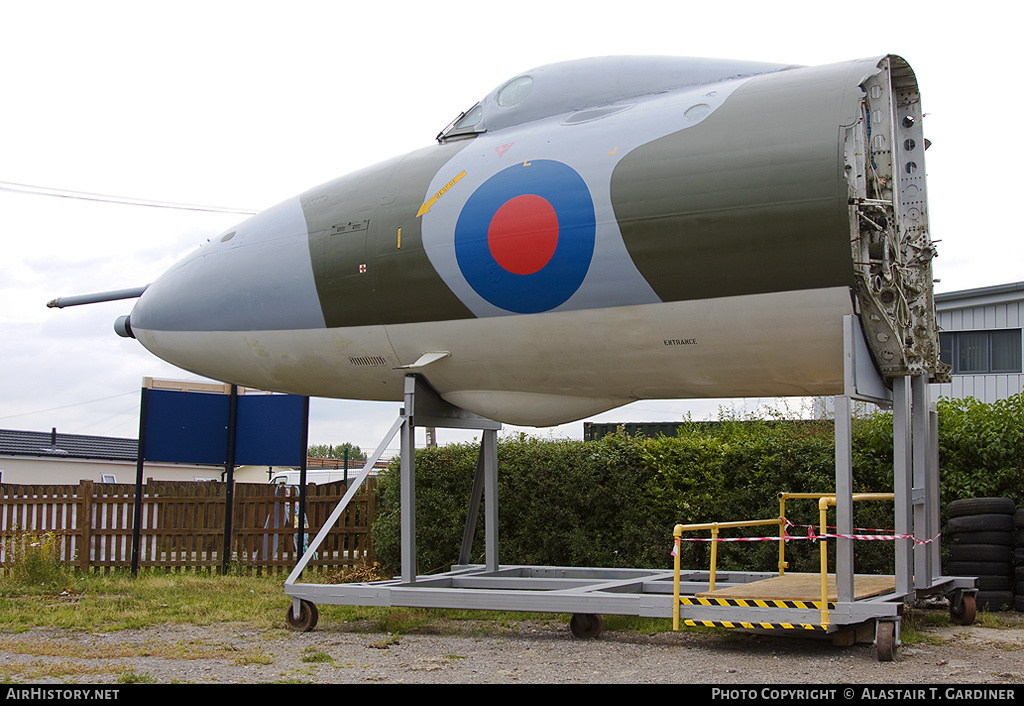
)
(591, 233)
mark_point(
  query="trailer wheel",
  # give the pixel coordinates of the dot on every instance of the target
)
(885, 640)
(585, 625)
(308, 616)
(963, 611)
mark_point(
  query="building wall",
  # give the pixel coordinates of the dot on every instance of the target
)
(984, 311)
(69, 471)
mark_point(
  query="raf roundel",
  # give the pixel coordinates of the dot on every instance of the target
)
(524, 240)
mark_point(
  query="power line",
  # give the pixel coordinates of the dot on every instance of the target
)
(108, 198)
(67, 406)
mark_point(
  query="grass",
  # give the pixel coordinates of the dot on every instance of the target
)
(98, 603)
(117, 601)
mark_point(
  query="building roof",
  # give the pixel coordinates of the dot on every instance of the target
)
(43, 444)
(997, 293)
(51, 444)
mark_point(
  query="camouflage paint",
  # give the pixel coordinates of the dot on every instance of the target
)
(364, 273)
(751, 201)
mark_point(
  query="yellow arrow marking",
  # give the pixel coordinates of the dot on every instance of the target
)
(433, 199)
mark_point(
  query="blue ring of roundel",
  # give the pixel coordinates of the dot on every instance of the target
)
(553, 284)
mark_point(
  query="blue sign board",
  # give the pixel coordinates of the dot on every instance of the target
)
(193, 427)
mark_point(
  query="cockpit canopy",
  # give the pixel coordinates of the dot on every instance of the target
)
(588, 83)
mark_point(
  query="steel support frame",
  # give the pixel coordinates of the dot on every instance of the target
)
(649, 592)
(915, 475)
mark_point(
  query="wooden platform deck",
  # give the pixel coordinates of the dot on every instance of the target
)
(804, 587)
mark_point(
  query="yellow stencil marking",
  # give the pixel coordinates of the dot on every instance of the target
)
(441, 192)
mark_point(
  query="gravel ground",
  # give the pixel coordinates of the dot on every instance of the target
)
(531, 651)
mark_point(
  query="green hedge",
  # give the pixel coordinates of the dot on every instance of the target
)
(614, 502)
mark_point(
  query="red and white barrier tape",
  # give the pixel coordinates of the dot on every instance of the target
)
(811, 535)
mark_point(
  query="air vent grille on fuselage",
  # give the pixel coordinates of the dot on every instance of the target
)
(368, 360)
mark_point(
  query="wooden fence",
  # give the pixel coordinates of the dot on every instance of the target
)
(90, 525)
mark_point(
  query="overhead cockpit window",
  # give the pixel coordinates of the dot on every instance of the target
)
(515, 91)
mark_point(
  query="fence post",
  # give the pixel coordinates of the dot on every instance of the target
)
(371, 512)
(84, 524)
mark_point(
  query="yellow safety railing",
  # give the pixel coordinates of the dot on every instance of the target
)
(714, 527)
(824, 501)
(783, 497)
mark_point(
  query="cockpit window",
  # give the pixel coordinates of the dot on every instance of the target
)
(588, 89)
(470, 119)
(464, 125)
(515, 91)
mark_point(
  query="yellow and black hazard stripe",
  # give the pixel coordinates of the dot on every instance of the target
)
(753, 603)
(752, 626)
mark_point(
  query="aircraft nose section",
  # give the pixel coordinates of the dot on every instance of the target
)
(256, 277)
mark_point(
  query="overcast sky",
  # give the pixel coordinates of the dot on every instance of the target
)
(244, 104)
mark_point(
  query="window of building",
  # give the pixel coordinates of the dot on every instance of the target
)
(981, 352)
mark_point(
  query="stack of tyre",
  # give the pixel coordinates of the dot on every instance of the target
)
(979, 534)
(1018, 560)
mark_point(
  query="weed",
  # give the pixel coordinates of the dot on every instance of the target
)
(34, 559)
(131, 677)
(314, 655)
(385, 642)
(259, 658)
(356, 574)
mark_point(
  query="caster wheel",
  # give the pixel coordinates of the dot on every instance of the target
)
(885, 641)
(308, 615)
(963, 611)
(585, 625)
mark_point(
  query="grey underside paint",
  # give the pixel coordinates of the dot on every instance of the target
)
(255, 276)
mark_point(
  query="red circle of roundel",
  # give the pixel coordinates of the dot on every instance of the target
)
(523, 234)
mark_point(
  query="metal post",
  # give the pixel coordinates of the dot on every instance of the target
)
(902, 483)
(139, 466)
(489, 445)
(302, 480)
(844, 499)
(229, 469)
(407, 480)
(932, 463)
(922, 483)
(475, 497)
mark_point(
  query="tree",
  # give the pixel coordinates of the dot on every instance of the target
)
(336, 452)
